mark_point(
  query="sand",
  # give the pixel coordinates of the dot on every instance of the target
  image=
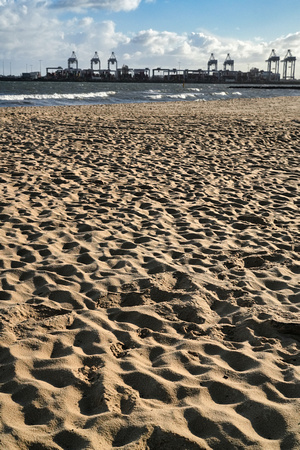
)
(150, 269)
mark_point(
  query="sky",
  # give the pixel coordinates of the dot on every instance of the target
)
(182, 34)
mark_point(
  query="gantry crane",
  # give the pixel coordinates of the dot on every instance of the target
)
(112, 60)
(273, 62)
(228, 62)
(72, 60)
(289, 64)
(212, 64)
(95, 61)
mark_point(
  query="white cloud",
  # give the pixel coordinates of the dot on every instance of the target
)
(86, 22)
(158, 43)
(36, 33)
(193, 50)
(110, 5)
(290, 41)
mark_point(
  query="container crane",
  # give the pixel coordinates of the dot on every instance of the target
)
(228, 62)
(212, 64)
(273, 62)
(289, 64)
(71, 61)
(95, 61)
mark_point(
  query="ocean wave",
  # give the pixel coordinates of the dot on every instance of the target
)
(154, 96)
(58, 94)
(55, 96)
(175, 96)
(193, 89)
(222, 94)
(181, 96)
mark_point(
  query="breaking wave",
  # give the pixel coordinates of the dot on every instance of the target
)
(54, 93)
(56, 98)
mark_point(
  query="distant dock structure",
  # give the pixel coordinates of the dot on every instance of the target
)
(95, 61)
(273, 63)
(212, 65)
(228, 62)
(211, 75)
(73, 61)
(111, 62)
(289, 64)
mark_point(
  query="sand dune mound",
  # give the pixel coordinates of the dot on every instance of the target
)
(149, 276)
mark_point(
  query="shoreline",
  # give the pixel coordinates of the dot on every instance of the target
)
(93, 94)
(245, 104)
(287, 84)
(149, 275)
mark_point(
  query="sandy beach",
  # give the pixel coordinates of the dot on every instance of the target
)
(150, 276)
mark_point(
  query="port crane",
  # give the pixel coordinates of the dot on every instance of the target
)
(273, 62)
(71, 61)
(212, 64)
(228, 62)
(289, 64)
(95, 61)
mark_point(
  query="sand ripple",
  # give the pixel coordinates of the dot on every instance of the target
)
(149, 276)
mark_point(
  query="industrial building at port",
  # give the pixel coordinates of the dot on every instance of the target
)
(211, 75)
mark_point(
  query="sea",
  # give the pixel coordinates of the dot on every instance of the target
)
(38, 93)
